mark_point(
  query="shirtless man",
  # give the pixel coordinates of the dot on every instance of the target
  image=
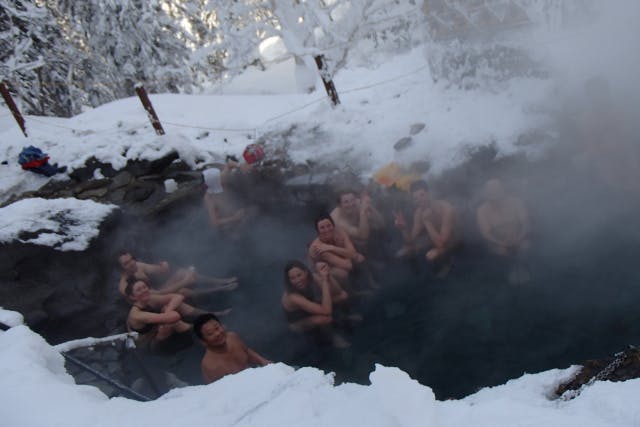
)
(225, 352)
(434, 220)
(503, 220)
(224, 210)
(357, 217)
(334, 247)
(179, 282)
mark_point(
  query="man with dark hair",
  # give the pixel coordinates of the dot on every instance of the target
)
(225, 352)
(357, 217)
(434, 228)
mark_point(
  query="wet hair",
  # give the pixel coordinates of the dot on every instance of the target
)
(122, 252)
(199, 322)
(291, 265)
(418, 185)
(323, 216)
(132, 280)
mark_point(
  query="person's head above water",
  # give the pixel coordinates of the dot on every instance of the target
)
(494, 190)
(419, 193)
(324, 226)
(209, 330)
(136, 289)
(213, 181)
(347, 200)
(127, 262)
(296, 276)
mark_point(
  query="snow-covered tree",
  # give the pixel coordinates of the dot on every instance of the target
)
(34, 58)
(124, 42)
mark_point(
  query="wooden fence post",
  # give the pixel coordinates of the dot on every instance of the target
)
(146, 103)
(6, 95)
(326, 79)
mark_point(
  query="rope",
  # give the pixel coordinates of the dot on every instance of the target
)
(30, 118)
(383, 82)
(209, 128)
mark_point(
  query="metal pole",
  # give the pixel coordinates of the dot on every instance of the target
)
(326, 79)
(146, 103)
(114, 383)
(13, 107)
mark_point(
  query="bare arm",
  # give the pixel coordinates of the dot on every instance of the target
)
(256, 359)
(482, 218)
(172, 301)
(344, 225)
(122, 283)
(441, 237)
(154, 269)
(325, 307)
(418, 226)
(346, 251)
(376, 220)
(333, 255)
(139, 316)
(214, 214)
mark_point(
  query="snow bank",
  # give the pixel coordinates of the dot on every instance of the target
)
(35, 390)
(64, 224)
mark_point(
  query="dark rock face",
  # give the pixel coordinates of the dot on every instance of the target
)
(75, 292)
(623, 366)
(47, 285)
(139, 187)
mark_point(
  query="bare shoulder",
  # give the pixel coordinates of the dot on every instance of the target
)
(234, 338)
(445, 207)
(336, 213)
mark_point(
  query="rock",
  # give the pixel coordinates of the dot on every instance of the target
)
(138, 194)
(86, 173)
(623, 366)
(416, 128)
(145, 167)
(402, 143)
(121, 179)
(92, 184)
(186, 192)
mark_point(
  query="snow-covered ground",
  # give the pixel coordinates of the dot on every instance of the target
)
(379, 106)
(37, 391)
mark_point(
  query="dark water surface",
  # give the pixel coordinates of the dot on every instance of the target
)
(458, 334)
(470, 330)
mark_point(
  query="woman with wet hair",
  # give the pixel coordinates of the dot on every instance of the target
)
(156, 317)
(303, 310)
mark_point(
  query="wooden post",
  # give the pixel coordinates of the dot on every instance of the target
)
(146, 103)
(326, 79)
(13, 107)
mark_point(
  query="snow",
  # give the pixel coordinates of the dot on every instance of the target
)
(32, 375)
(378, 107)
(65, 224)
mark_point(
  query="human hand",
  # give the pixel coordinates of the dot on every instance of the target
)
(359, 258)
(164, 265)
(399, 220)
(323, 269)
(192, 274)
(319, 248)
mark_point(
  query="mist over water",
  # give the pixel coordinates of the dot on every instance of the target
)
(473, 328)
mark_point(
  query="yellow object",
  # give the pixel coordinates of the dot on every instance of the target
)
(393, 174)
